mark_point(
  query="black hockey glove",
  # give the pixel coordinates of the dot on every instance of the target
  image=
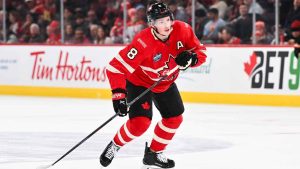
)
(120, 102)
(296, 52)
(186, 59)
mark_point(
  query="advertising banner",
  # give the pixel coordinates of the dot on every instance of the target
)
(245, 70)
(241, 75)
(57, 66)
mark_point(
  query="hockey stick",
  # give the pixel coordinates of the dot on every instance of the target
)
(107, 121)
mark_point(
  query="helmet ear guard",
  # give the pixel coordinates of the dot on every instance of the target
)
(158, 10)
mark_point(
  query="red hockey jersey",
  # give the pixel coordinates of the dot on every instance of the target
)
(146, 59)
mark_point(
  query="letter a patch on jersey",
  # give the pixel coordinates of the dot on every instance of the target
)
(179, 45)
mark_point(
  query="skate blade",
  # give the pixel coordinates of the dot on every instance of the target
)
(150, 167)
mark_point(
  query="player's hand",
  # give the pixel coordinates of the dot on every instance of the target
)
(186, 59)
(120, 102)
(296, 52)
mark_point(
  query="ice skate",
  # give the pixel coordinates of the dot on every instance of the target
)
(108, 154)
(154, 159)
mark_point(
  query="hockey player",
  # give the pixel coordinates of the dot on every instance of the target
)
(161, 48)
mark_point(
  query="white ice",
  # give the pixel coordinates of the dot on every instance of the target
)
(36, 131)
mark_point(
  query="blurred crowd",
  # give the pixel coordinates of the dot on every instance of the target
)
(101, 21)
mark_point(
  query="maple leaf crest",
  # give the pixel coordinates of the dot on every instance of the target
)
(146, 105)
(248, 67)
(166, 69)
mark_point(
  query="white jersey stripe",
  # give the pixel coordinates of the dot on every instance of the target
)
(169, 73)
(126, 65)
(191, 49)
(166, 129)
(113, 69)
(201, 50)
(172, 70)
(154, 79)
(160, 140)
(149, 69)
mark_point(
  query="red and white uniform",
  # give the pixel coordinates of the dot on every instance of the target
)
(146, 59)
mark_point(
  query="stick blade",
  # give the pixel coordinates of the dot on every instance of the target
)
(44, 166)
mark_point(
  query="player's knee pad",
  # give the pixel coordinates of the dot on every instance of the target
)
(138, 125)
(173, 122)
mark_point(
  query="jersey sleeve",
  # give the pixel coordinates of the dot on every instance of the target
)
(125, 63)
(193, 43)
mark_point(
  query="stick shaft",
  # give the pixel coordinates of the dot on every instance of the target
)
(147, 90)
(110, 119)
(87, 137)
(153, 85)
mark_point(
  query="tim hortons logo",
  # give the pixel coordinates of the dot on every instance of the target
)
(64, 70)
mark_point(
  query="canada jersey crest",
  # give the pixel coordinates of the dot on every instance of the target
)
(169, 65)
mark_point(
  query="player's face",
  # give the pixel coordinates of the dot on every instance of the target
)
(164, 25)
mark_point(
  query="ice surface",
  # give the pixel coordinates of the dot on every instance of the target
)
(36, 131)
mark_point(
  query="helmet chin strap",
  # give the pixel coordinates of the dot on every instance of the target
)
(155, 29)
(164, 37)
